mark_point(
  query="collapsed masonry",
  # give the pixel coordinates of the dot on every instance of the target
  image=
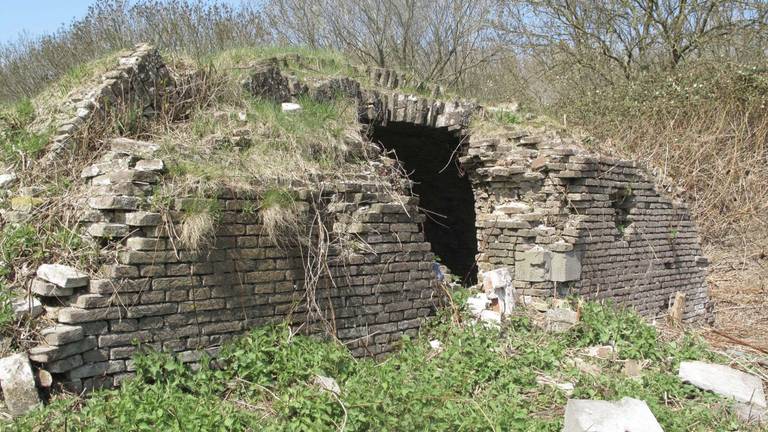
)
(554, 219)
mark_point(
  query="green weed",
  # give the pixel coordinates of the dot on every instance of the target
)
(482, 379)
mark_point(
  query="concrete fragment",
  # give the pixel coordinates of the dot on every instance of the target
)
(498, 282)
(724, 381)
(327, 384)
(750, 413)
(491, 317)
(63, 276)
(18, 383)
(27, 308)
(605, 352)
(626, 415)
(559, 320)
(477, 303)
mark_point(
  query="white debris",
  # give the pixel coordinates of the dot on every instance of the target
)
(605, 352)
(327, 384)
(565, 387)
(626, 415)
(724, 381)
(477, 303)
(436, 344)
(490, 316)
(290, 107)
(498, 283)
(7, 180)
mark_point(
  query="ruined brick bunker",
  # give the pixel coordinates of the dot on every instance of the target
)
(559, 220)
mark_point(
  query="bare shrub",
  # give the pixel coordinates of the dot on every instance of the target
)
(196, 27)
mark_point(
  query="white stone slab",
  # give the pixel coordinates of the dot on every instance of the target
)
(63, 276)
(27, 307)
(18, 384)
(626, 415)
(290, 107)
(724, 381)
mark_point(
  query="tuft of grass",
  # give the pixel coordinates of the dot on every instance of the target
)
(279, 215)
(198, 227)
(482, 379)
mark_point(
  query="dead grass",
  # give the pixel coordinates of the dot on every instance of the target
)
(197, 230)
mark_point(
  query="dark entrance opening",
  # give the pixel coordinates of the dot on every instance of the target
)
(429, 156)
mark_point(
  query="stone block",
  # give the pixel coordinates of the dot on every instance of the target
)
(533, 265)
(108, 230)
(62, 334)
(133, 147)
(114, 202)
(62, 276)
(18, 383)
(565, 266)
(49, 353)
(142, 218)
(560, 319)
(64, 365)
(150, 165)
(145, 244)
(47, 289)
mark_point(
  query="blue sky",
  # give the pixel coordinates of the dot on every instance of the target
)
(37, 17)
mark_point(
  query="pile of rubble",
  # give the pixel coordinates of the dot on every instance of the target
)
(498, 298)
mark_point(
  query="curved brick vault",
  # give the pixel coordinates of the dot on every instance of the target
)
(556, 219)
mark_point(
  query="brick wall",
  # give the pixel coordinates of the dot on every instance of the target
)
(568, 222)
(375, 280)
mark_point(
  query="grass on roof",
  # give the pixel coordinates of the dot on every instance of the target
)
(256, 143)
